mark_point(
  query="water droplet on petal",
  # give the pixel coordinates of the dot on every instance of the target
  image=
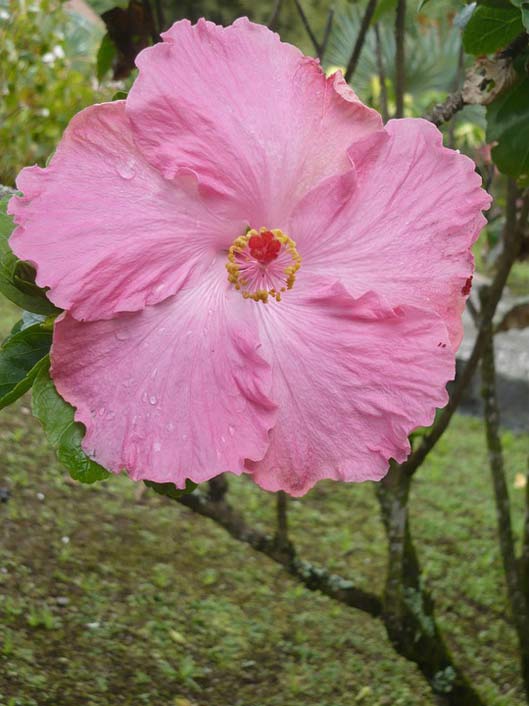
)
(122, 335)
(156, 446)
(126, 169)
(170, 426)
(231, 429)
(153, 399)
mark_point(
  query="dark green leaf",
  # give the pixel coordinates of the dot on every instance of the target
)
(169, 489)
(508, 125)
(523, 5)
(17, 278)
(63, 433)
(105, 57)
(21, 358)
(492, 26)
(29, 319)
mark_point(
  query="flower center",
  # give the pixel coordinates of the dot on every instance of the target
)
(263, 264)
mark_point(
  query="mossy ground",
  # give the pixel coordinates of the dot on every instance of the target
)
(108, 599)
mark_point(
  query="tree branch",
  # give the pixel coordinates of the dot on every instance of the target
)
(326, 33)
(524, 559)
(517, 600)
(218, 487)
(513, 241)
(282, 519)
(384, 111)
(362, 33)
(312, 577)
(274, 17)
(308, 28)
(443, 112)
(400, 57)
(408, 612)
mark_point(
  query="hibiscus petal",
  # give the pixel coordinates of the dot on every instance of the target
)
(105, 230)
(352, 378)
(401, 223)
(251, 115)
(176, 391)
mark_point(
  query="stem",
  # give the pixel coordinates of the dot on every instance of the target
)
(381, 76)
(517, 600)
(362, 33)
(400, 58)
(513, 241)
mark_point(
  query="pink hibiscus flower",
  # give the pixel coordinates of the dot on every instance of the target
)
(257, 276)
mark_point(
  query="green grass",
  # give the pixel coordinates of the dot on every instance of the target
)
(107, 599)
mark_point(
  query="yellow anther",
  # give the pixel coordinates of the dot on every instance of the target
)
(239, 256)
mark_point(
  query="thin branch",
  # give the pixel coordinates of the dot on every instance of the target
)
(326, 33)
(282, 519)
(362, 33)
(445, 111)
(513, 241)
(524, 559)
(312, 577)
(274, 17)
(160, 15)
(400, 57)
(519, 606)
(218, 487)
(472, 310)
(408, 613)
(384, 111)
(308, 28)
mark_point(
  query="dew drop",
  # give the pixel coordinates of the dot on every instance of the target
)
(170, 426)
(102, 411)
(231, 429)
(126, 170)
(184, 437)
(156, 446)
(153, 399)
(122, 335)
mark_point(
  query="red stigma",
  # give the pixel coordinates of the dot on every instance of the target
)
(467, 287)
(264, 248)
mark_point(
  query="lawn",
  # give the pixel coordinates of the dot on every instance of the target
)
(107, 598)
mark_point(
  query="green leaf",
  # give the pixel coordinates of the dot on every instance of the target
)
(169, 489)
(105, 57)
(63, 433)
(383, 8)
(17, 278)
(492, 26)
(508, 125)
(120, 95)
(22, 355)
(523, 5)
